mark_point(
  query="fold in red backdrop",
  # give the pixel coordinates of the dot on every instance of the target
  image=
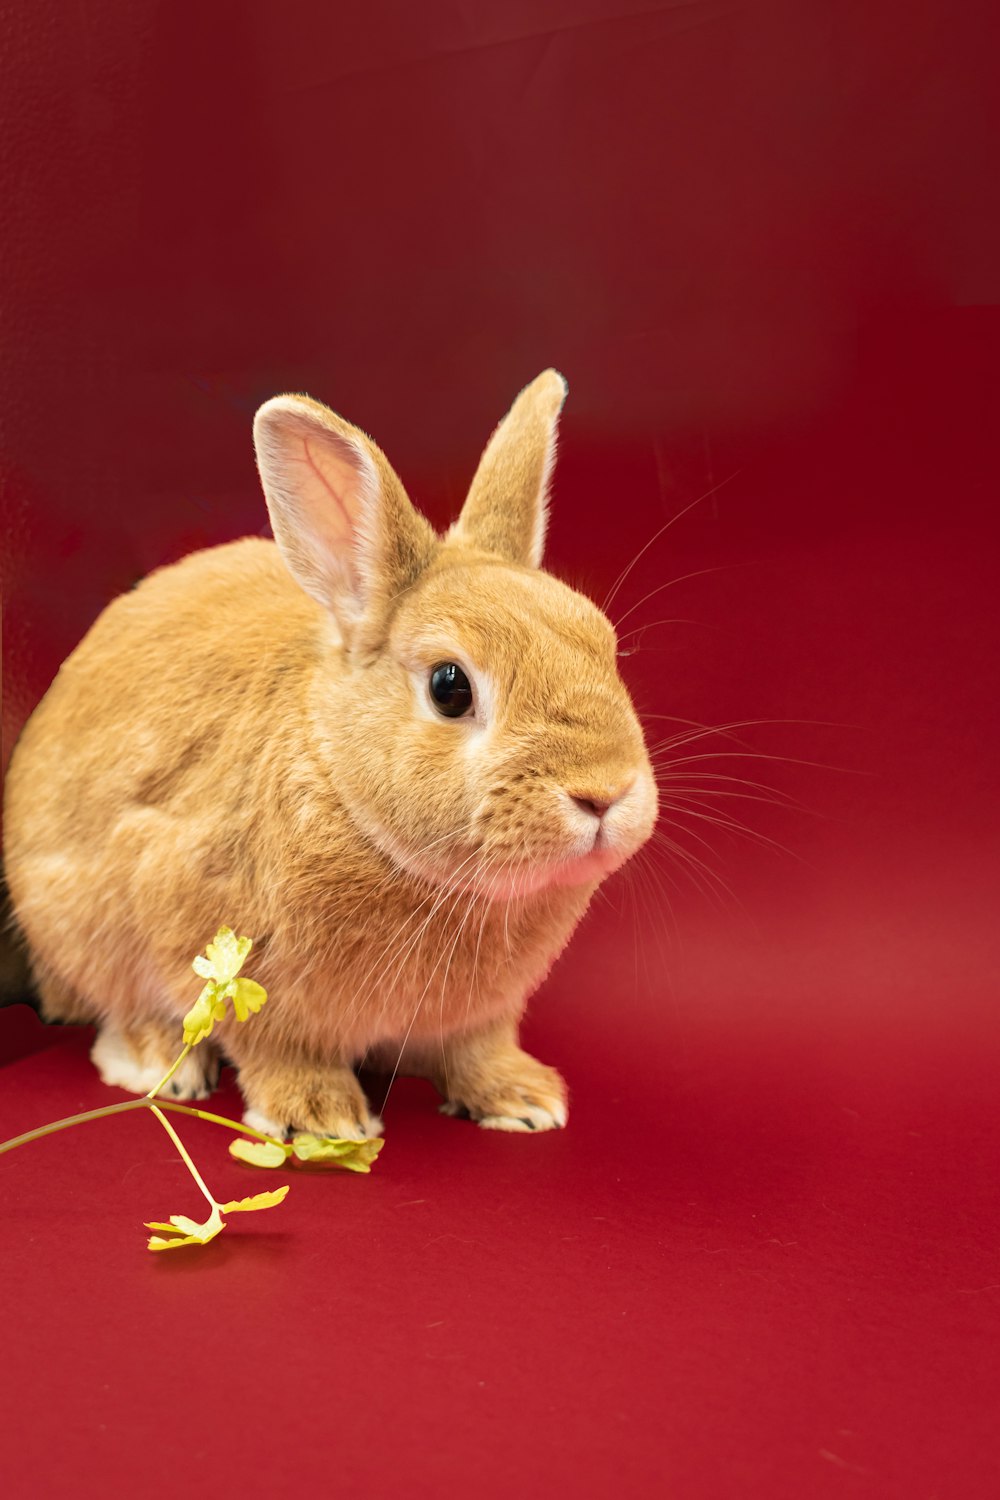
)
(763, 246)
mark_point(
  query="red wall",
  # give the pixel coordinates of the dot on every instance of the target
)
(694, 211)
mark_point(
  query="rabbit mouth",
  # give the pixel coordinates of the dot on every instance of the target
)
(488, 874)
(577, 870)
(506, 880)
(510, 880)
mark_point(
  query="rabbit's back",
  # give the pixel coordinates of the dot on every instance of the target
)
(148, 742)
(180, 661)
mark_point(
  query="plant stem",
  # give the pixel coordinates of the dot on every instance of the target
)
(203, 1114)
(90, 1114)
(146, 1102)
(170, 1072)
(183, 1154)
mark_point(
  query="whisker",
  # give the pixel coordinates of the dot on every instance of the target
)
(672, 582)
(444, 985)
(698, 871)
(438, 896)
(787, 760)
(419, 1004)
(609, 600)
(727, 730)
(639, 632)
(733, 825)
(770, 794)
(474, 976)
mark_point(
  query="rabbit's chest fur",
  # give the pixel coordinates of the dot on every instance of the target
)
(356, 957)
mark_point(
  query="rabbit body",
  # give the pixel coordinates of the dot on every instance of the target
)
(248, 737)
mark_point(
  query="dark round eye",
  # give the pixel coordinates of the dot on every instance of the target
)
(451, 690)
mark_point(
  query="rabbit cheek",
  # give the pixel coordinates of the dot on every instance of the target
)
(410, 795)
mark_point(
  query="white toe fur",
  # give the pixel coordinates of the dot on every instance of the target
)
(529, 1118)
(118, 1064)
(512, 1123)
(257, 1120)
(195, 1079)
(121, 1066)
(346, 1131)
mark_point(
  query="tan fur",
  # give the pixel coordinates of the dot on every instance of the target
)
(247, 738)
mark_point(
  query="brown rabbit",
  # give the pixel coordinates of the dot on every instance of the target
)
(402, 762)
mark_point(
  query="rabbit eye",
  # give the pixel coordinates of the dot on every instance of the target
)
(451, 690)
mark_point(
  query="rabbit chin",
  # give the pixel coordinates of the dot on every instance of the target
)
(576, 870)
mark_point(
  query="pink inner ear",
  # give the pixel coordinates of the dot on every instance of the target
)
(341, 520)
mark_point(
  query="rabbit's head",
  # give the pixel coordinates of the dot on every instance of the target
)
(469, 707)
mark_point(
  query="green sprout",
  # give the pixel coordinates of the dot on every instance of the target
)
(220, 968)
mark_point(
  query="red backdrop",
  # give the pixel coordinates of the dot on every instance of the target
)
(763, 245)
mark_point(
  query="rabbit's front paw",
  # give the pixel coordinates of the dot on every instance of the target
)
(287, 1100)
(137, 1058)
(509, 1090)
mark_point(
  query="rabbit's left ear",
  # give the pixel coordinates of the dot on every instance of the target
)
(507, 507)
(340, 515)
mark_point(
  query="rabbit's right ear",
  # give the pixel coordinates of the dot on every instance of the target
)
(507, 505)
(346, 529)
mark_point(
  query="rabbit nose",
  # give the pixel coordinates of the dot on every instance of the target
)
(600, 799)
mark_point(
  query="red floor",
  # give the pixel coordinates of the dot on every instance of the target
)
(763, 1258)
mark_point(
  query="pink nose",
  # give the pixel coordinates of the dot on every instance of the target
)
(600, 801)
(591, 806)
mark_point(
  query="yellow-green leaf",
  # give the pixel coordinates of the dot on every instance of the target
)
(353, 1156)
(190, 1226)
(185, 1231)
(259, 1200)
(156, 1242)
(226, 953)
(248, 996)
(203, 1015)
(260, 1153)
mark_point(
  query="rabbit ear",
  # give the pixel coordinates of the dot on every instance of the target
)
(340, 515)
(506, 509)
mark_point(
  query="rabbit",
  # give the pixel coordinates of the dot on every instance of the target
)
(402, 761)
